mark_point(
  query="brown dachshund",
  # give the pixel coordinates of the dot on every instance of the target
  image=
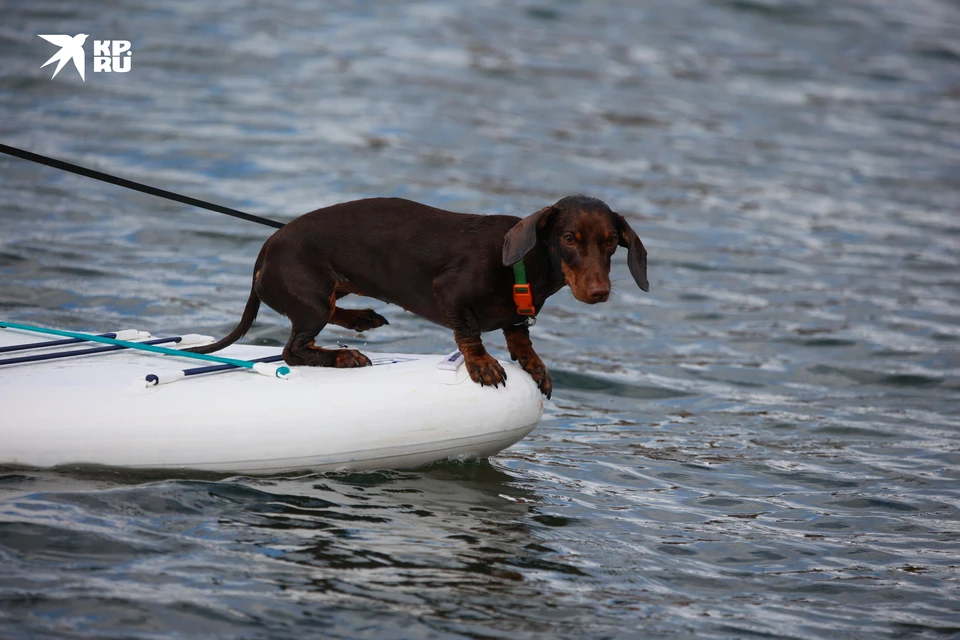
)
(454, 269)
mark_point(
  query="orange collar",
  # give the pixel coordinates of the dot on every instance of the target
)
(522, 294)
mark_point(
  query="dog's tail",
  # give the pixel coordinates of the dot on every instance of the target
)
(246, 320)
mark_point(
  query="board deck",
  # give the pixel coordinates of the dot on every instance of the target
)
(405, 411)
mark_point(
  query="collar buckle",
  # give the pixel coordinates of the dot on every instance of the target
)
(523, 294)
(523, 298)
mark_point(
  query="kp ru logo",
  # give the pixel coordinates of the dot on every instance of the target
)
(108, 55)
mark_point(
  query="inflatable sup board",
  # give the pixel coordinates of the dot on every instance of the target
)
(81, 402)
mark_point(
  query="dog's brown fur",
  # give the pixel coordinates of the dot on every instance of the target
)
(454, 269)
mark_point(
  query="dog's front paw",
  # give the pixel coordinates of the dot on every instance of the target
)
(350, 358)
(538, 371)
(541, 376)
(486, 371)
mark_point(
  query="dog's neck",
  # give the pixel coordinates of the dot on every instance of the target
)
(544, 273)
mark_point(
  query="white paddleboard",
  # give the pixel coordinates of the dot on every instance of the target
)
(405, 411)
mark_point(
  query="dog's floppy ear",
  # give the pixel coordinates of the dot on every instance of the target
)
(523, 237)
(636, 253)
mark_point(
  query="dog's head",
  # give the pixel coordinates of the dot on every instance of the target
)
(581, 235)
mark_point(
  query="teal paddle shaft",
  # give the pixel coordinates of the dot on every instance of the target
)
(280, 372)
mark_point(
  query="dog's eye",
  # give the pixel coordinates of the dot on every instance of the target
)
(568, 239)
(612, 241)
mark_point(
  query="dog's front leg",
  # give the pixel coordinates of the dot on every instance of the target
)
(482, 367)
(521, 350)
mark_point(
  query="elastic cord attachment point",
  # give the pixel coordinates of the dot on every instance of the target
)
(272, 371)
(164, 377)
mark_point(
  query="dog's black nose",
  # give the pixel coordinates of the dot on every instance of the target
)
(598, 293)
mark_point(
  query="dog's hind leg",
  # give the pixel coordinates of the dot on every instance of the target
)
(309, 311)
(357, 319)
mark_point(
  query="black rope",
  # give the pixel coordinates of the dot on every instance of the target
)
(136, 186)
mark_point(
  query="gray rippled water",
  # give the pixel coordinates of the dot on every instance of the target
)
(765, 445)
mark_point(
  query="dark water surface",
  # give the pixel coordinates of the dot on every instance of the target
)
(768, 444)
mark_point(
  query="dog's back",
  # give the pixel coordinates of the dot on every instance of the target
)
(391, 249)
